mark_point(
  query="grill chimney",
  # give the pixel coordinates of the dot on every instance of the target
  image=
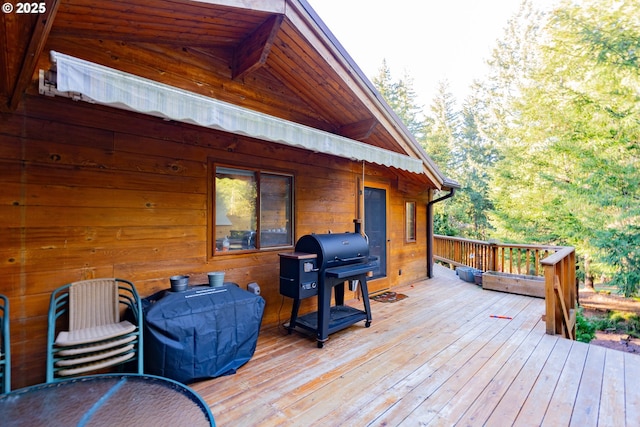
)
(358, 225)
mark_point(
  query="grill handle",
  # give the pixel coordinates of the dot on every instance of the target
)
(357, 258)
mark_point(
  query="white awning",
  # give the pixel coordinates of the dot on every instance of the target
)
(95, 83)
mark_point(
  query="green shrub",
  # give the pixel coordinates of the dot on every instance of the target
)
(615, 321)
(585, 328)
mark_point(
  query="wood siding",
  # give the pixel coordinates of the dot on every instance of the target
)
(90, 191)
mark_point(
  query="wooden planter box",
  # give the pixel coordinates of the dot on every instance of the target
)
(514, 283)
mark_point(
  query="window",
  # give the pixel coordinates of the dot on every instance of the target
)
(410, 221)
(253, 209)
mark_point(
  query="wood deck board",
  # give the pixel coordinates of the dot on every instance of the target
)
(534, 385)
(587, 403)
(350, 353)
(435, 358)
(415, 343)
(417, 354)
(613, 379)
(442, 369)
(532, 350)
(562, 401)
(632, 373)
(399, 345)
(409, 391)
(462, 388)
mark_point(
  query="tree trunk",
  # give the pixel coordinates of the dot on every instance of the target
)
(588, 276)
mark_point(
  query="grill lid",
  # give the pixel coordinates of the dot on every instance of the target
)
(335, 249)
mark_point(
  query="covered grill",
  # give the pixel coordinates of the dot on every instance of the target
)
(320, 263)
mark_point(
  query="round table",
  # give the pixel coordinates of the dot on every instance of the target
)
(110, 399)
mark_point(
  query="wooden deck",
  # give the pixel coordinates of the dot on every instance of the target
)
(435, 358)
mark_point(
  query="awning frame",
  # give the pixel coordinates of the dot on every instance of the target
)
(82, 80)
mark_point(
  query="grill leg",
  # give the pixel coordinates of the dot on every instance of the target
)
(339, 293)
(324, 312)
(365, 298)
(294, 315)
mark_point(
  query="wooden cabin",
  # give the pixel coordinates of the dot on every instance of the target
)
(144, 139)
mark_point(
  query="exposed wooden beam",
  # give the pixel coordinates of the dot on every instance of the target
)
(166, 39)
(359, 130)
(253, 51)
(35, 46)
(9, 50)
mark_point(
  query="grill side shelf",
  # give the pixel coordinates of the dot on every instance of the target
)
(348, 271)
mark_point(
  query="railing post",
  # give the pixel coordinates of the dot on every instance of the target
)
(494, 256)
(570, 288)
(560, 292)
(550, 299)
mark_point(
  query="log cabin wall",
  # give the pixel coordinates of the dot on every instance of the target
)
(90, 191)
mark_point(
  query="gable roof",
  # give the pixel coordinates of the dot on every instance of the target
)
(275, 57)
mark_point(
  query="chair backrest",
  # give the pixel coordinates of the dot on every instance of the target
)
(93, 303)
(5, 346)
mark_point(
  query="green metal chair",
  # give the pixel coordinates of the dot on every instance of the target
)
(5, 346)
(93, 325)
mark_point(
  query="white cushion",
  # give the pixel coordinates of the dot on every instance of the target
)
(94, 357)
(81, 369)
(92, 348)
(97, 333)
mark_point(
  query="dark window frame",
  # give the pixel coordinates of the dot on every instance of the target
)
(261, 175)
(410, 221)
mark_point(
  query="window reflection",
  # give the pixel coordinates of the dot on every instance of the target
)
(275, 210)
(253, 209)
(410, 221)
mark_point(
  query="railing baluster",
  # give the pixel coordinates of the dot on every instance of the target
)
(512, 258)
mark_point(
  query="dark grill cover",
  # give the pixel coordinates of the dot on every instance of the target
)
(335, 249)
(201, 333)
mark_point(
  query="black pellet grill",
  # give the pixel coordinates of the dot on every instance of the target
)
(320, 263)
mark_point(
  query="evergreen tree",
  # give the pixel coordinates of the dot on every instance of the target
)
(599, 131)
(402, 98)
(441, 129)
(441, 132)
(474, 157)
(568, 171)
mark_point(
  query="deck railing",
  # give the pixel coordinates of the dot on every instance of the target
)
(489, 256)
(555, 263)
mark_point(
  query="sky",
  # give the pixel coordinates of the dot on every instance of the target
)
(430, 40)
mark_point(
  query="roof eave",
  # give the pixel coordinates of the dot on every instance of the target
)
(409, 144)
